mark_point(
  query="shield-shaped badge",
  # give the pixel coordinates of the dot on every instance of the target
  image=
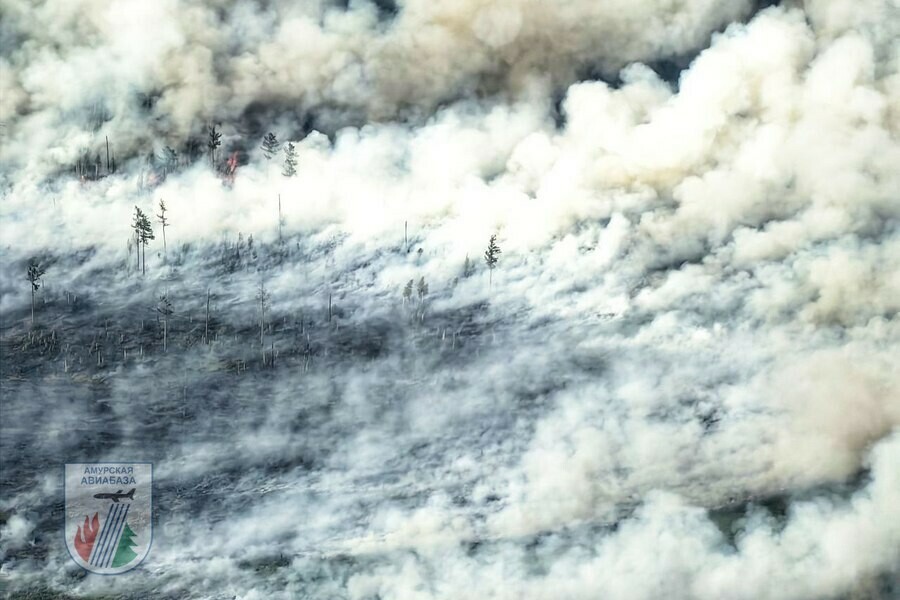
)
(108, 515)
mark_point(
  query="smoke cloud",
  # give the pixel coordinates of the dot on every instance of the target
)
(680, 380)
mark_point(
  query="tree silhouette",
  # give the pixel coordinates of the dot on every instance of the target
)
(290, 161)
(213, 141)
(407, 291)
(169, 159)
(422, 289)
(35, 272)
(263, 296)
(144, 233)
(136, 227)
(492, 256)
(163, 221)
(270, 146)
(165, 309)
(468, 267)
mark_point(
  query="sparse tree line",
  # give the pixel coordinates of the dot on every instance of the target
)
(491, 259)
(421, 294)
(157, 165)
(89, 166)
(143, 234)
(415, 295)
(118, 344)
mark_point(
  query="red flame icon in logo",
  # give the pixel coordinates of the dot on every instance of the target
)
(84, 538)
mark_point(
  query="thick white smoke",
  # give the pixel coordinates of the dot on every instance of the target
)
(216, 60)
(696, 306)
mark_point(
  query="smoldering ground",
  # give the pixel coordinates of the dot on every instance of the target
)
(679, 380)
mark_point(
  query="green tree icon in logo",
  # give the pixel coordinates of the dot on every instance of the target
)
(124, 553)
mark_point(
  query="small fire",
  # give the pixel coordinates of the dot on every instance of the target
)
(231, 166)
(84, 537)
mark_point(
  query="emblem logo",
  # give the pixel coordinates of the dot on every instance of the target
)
(108, 509)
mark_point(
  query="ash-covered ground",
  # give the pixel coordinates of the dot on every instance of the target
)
(675, 376)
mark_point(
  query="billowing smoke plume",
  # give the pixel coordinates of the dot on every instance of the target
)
(161, 69)
(679, 381)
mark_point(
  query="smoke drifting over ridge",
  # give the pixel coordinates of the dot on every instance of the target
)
(681, 380)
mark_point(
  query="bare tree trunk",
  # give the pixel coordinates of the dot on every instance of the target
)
(144, 258)
(32, 305)
(165, 249)
(166, 334)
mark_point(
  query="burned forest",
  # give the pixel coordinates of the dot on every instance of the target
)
(466, 299)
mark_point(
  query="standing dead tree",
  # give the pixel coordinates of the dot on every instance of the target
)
(163, 221)
(262, 295)
(35, 273)
(280, 221)
(206, 326)
(165, 309)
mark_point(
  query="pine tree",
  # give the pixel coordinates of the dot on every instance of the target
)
(407, 290)
(290, 161)
(270, 146)
(35, 272)
(136, 227)
(422, 289)
(492, 256)
(213, 141)
(144, 233)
